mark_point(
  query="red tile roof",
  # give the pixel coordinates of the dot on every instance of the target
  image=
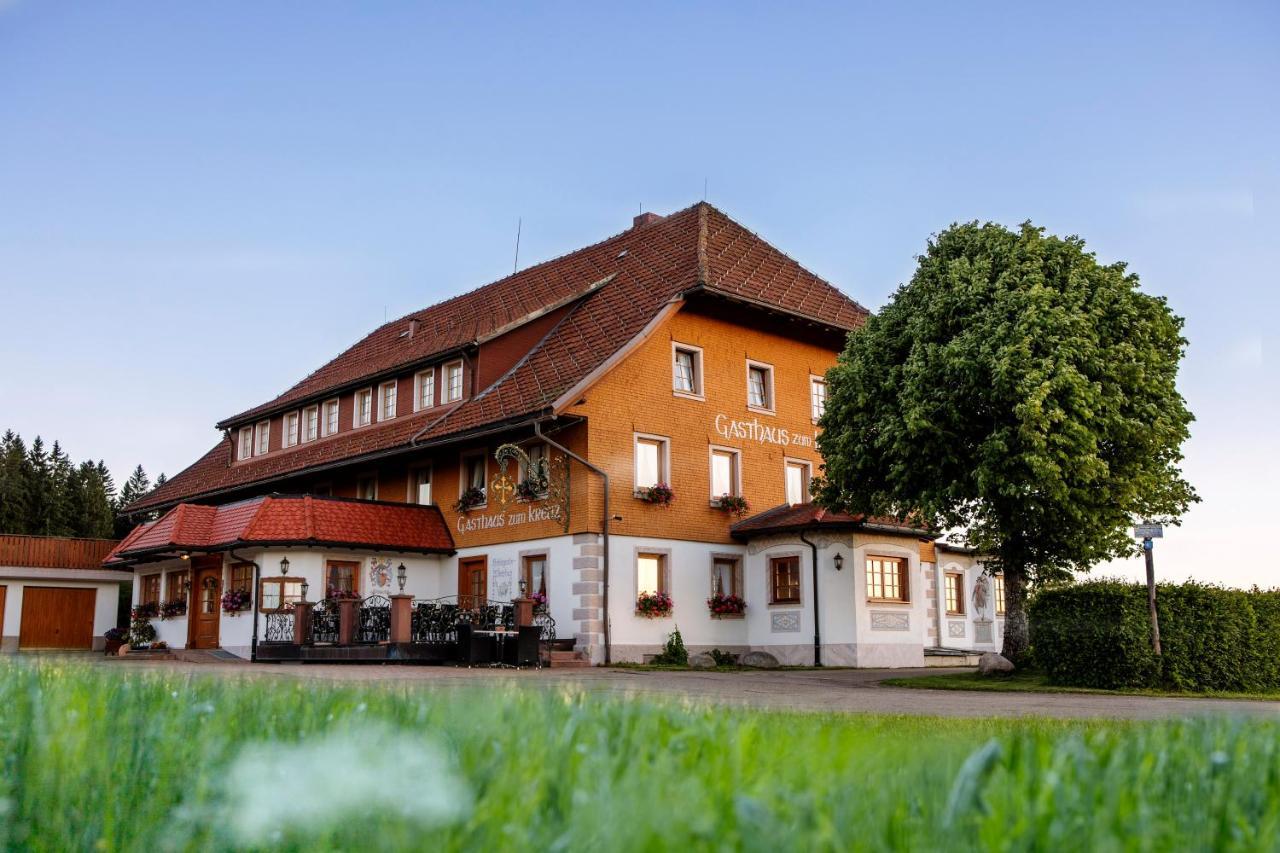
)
(289, 520)
(53, 552)
(614, 287)
(810, 516)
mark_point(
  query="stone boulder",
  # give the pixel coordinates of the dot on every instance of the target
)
(759, 660)
(993, 664)
(702, 661)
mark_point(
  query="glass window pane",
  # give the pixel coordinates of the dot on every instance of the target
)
(684, 373)
(721, 474)
(648, 455)
(648, 570)
(796, 485)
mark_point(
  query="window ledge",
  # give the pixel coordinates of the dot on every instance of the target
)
(689, 395)
(786, 604)
(760, 411)
(898, 601)
(953, 613)
(737, 616)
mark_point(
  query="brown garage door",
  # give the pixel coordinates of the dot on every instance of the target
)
(56, 618)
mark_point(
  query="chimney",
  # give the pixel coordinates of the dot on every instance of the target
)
(413, 326)
(644, 219)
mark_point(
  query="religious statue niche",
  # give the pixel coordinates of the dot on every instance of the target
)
(543, 480)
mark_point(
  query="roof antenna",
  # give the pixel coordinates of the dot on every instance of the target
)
(516, 264)
(704, 189)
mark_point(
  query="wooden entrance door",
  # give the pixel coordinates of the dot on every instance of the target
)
(205, 606)
(3, 590)
(473, 581)
(56, 617)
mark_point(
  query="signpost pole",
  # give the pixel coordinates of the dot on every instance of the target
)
(1148, 533)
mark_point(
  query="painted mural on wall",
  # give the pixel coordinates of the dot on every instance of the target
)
(379, 573)
(535, 491)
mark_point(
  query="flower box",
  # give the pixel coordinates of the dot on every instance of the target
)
(659, 495)
(726, 606)
(235, 601)
(147, 610)
(733, 504)
(654, 605)
(532, 489)
(173, 609)
(469, 500)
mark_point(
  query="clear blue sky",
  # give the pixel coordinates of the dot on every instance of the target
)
(200, 203)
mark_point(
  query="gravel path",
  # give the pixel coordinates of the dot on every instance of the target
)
(832, 690)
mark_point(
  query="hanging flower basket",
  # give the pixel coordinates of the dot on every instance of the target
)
(234, 601)
(173, 609)
(539, 602)
(660, 495)
(469, 500)
(532, 488)
(733, 504)
(726, 605)
(654, 605)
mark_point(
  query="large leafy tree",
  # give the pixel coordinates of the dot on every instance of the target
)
(1021, 393)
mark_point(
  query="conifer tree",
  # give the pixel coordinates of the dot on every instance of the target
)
(39, 489)
(62, 486)
(14, 484)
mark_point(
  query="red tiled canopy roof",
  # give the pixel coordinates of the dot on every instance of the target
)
(614, 289)
(289, 520)
(810, 516)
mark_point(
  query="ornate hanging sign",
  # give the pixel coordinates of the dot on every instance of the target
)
(535, 491)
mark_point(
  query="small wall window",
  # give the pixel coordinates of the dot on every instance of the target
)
(387, 400)
(291, 428)
(150, 592)
(367, 488)
(726, 576)
(954, 593)
(536, 472)
(651, 573)
(331, 417)
(310, 423)
(363, 415)
(651, 461)
(887, 579)
(817, 396)
(725, 478)
(178, 586)
(533, 570)
(424, 390)
(475, 474)
(241, 577)
(997, 590)
(453, 382)
(262, 438)
(784, 580)
(798, 475)
(686, 370)
(759, 386)
(420, 486)
(246, 443)
(341, 576)
(275, 593)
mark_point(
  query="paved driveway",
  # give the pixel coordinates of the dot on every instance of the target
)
(832, 690)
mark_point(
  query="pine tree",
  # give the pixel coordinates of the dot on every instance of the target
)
(39, 489)
(108, 483)
(62, 500)
(134, 488)
(14, 483)
(160, 481)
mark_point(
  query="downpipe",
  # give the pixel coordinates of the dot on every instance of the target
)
(257, 586)
(817, 637)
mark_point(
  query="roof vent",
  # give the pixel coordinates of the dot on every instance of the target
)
(644, 219)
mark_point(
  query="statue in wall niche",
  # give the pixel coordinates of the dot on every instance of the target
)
(981, 595)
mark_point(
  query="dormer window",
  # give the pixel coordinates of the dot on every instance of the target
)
(291, 425)
(453, 382)
(246, 443)
(331, 418)
(262, 438)
(364, 408)
(310, 423)
(387, 401)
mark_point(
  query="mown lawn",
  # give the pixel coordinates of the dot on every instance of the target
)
(105, 759)
(1036, 682)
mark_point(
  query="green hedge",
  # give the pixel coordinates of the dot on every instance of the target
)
(1097, 634)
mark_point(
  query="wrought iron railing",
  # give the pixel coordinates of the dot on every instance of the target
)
(324, 621)
(279, 625)
(373, 623)
(434, 622)
(542, 618)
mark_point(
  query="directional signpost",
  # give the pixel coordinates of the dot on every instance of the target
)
(1147, 533)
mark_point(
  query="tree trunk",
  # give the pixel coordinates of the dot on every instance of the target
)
(1017, 642)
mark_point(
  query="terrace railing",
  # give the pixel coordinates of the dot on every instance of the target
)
(373, 623)
(325, 622)
(279, 625)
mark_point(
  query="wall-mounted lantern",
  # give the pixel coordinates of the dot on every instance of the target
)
(284, 566)
(402, 575)
(839, 561)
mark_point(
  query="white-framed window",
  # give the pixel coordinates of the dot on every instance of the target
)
(651, 461)
(363, 413)
(726, 477)
(817, 396)
(330, 425)
(367, 488)
(686, 370)
(420, 486)
(760, 386)
(475, 474)
(246, 443)
(424, 389)
(452, 382)
(262, 438)
(652, 572)
(537, 468)
(798, 475)
(726, 575)
(291, 427)
(387, 400)
(310, 423)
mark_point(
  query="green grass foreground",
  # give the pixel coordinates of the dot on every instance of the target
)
(100, 759)
(1037, 682)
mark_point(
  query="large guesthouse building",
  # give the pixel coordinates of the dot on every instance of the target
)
(625, 434)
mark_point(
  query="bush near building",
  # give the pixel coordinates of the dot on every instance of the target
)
(1098, 634)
